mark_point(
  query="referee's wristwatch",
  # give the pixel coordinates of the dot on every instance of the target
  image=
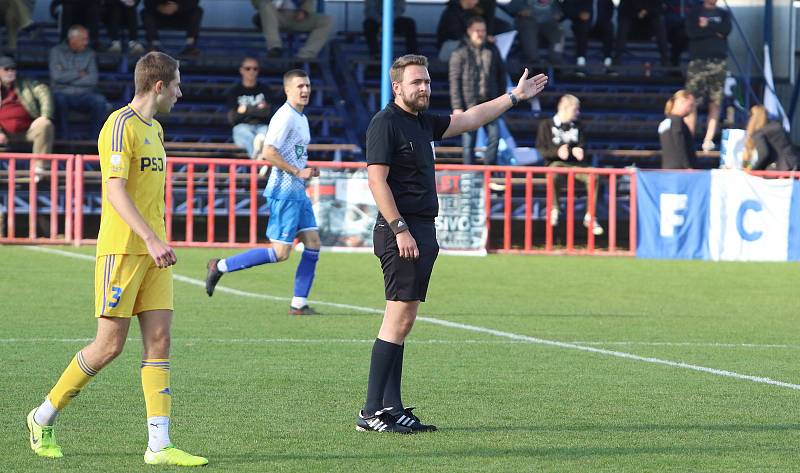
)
(514, 99)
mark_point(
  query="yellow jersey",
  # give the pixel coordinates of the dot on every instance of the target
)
(133, 149)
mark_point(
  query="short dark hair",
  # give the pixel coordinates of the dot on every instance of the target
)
(153, 67)
(475, 19)
(289, 75)
(399, 65)
(248, 58)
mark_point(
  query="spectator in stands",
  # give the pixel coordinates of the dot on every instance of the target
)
(560, 142)
(766, 143)
(79, 12)
(116, 12)
(73, 78)
(477, 74)
(708, 28)
(26, 111)
(677, 145)
(651, 12)
(453, 26)
(16, 16)
(250, 107)
(675, 22)
(177, 14)
(534, 18)
(487, 10)
(589, 16)
(291, 15)
(403, 25)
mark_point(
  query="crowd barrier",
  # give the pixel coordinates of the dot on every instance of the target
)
(217, 202)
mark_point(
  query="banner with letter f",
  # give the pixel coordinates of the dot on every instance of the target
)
(672, 209)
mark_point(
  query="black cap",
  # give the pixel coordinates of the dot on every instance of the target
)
(7, 61)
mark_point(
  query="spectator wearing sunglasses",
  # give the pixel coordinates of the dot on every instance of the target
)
(250, 106)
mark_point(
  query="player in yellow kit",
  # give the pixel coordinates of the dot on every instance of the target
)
(133, 274)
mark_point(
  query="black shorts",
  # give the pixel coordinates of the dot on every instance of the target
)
(406, 279)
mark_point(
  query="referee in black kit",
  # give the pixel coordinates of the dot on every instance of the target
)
(400, 156)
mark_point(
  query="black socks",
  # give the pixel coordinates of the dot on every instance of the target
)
(381, 367)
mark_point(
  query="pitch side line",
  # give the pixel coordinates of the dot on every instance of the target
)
(477, 329)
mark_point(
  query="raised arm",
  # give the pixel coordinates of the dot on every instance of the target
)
(477, 116)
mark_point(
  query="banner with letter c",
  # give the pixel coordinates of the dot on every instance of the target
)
(718, 215)
(749, 217)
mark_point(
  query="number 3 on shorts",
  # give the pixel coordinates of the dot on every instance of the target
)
(117, 292)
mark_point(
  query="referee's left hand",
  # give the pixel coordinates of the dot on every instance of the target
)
(529, 88)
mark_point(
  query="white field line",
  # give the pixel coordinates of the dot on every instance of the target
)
(685, 344)
(483, 330)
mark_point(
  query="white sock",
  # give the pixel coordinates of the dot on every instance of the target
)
(222, 265)
(607, 61)
(581, 61)
(158, 433)
(46, 413)
(299, 302)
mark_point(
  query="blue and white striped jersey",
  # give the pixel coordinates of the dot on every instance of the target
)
(288, 132)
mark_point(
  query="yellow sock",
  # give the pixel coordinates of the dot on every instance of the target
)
(155, 384)
(71, 382)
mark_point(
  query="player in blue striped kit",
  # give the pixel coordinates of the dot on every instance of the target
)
(286, 149)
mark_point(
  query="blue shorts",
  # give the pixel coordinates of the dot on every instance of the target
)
(287, 218)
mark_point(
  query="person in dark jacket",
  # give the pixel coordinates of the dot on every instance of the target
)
(534, 18)
(587, 17)
(770, 142)
(250, 106)
(453, 26)
(708, 28)
(649, 11)
(403, 25)
(477, 73)
(117, 13)
(560, 142)
(675, 15)
(677, 146)
(178, 14)
(79, 12)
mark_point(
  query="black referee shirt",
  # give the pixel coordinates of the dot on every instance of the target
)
(404, 142)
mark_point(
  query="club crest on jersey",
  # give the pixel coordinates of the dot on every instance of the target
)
(299, 150)
(116, 163)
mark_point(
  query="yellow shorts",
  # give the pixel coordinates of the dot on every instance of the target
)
(127, 285)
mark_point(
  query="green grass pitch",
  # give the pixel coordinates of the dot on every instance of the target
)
(257, 390)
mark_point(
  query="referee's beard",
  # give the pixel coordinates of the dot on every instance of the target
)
(418, 102)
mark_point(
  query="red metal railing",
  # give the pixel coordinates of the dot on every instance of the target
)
(232, 179)
(56, 175)
(533, 179)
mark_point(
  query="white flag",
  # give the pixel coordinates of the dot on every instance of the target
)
(771, 102)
